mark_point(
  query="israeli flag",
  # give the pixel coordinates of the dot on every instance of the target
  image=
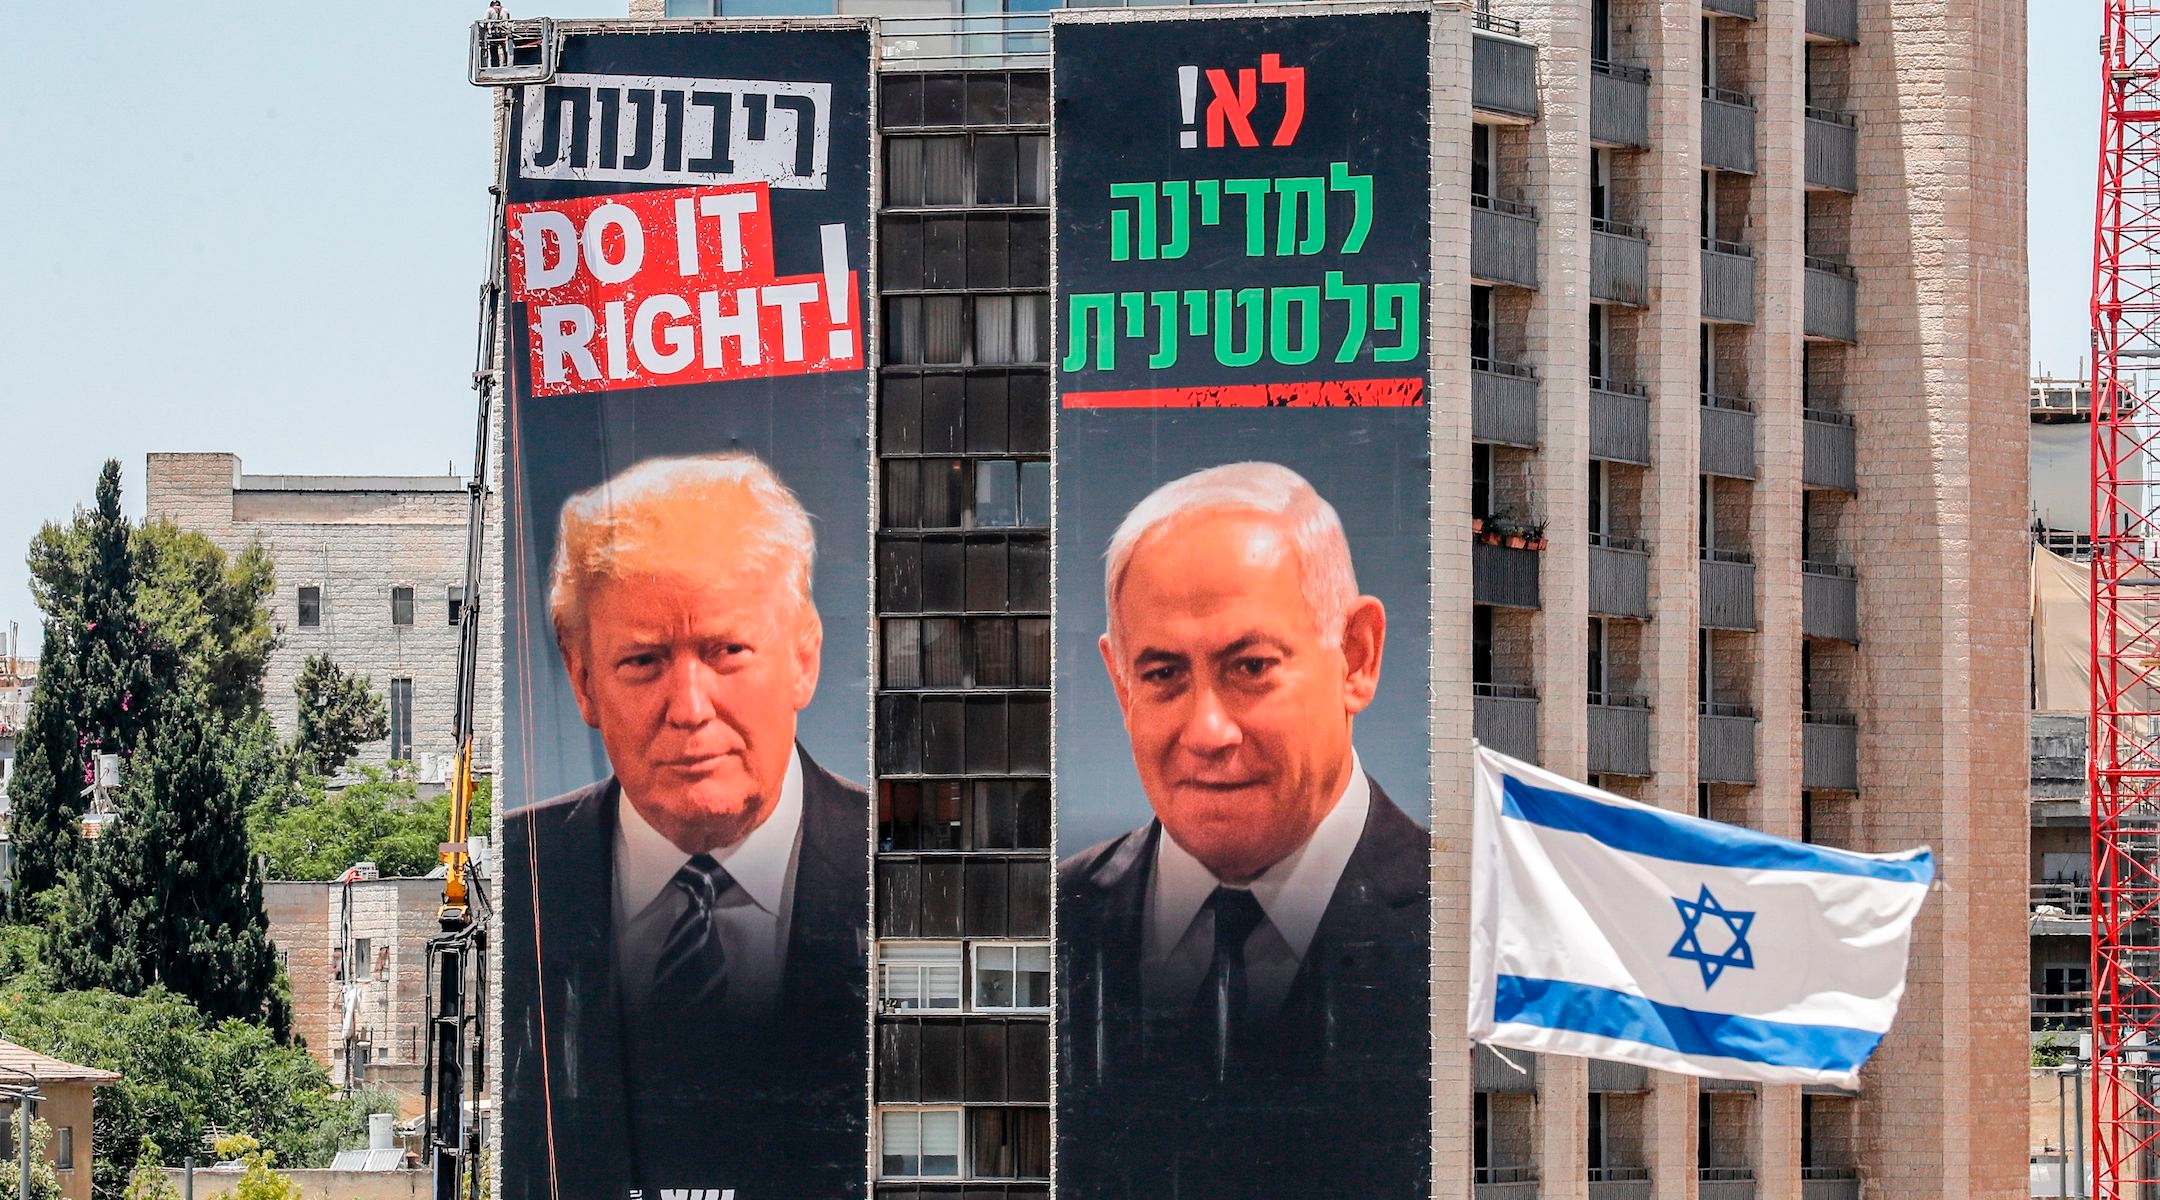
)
(1611, 929)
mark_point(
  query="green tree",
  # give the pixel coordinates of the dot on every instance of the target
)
(44, 1180)
(377, 819)
(147, 1181)
(97, 672)
(338, 712)
(211, 609)
(168, 895)
(257, 1180)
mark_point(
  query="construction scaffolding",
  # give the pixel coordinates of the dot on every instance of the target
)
(2125, 757)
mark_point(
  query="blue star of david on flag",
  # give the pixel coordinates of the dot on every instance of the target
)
(1690, 947)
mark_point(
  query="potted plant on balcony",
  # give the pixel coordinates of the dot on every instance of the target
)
(1534, 536)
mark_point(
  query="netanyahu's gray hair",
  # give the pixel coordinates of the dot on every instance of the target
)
(616, 527)
(1325, 574)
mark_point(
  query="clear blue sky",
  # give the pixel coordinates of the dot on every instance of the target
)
(260, 228)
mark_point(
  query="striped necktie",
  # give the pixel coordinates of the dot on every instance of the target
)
(692, 969)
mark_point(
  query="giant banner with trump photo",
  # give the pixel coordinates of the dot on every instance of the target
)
(1242, 275)
(684, 855)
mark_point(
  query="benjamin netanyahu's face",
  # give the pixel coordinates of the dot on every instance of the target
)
(693, 677)
(1238, 712)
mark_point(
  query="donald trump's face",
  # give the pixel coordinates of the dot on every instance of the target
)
(1238, 705)
(693, 669)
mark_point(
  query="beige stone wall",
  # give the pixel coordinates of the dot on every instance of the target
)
(356, 540)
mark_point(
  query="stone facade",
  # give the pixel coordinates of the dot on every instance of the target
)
(362, 945)
(356, 539)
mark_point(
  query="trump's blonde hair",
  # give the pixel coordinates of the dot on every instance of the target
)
(1326, 577)
(633, 524)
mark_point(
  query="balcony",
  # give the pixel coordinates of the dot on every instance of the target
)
(1619, 263)
(1731, 8)
(2061, 909)
(2062, 1012)
(1728, 282)
(1503, 242)
(1619, 104)
(1728, 590)
(1505, 717)
(1620, 1183)
(1503, 69)
(1829, 602)
(1725, 1183)
(1490, 1073)
(1619, 577)
(1619, 736)
(1833, 150)
(1619, 422)
(1831, 296)
(1725, 749)
(1728, 437)
(1829, 1183)
(1504, 1183)
(1829, 457)
(1503, 576)
(1728, 130)
(1503, 403)
(1834, 20)
(1830, 752)
(1608, 1076)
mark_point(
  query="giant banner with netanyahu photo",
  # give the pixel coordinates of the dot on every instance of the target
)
(1242, 281)
(684, 854)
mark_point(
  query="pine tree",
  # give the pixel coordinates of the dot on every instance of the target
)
(169, 894)
(337, 713)
(97, 672)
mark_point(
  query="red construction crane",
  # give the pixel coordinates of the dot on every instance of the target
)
(2125, 729)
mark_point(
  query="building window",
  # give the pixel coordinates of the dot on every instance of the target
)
(919, 1143)
(1009, 1143)
(64, 1148)
(457, 604)
(1012, 977)
(401, 606)
(401, 710)
(918, 977)
(310, 607)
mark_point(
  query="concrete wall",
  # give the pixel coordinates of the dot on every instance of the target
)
(318, 1185)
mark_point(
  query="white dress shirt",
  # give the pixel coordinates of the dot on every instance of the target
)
(752, 918)
(1294, 895)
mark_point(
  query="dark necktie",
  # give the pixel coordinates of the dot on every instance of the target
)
(692, 971)
(1224, 992)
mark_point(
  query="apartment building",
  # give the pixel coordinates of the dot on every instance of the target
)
(1743, 311)
(370, 570)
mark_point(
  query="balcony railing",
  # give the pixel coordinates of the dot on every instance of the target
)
(1728, 436)
(1830, 752)
(2072, 898)
(1503, 241)
(2061, 1012)
(1725, 749)
(1619, 263)
(1503, 68)
(1829, 456)
(1505, 717)
(1833, 150)
(1619, 728)
(1830, 601)
(1835, 20)
(1829, 1183)
(1728, 281)
(952, 41)
(1619, 421)
(1504, 576)
(1728, 121)
(1503, 403)
(1830, 297)
(1619, 577)
(1619, 104)
(1491, 1073)
(1731, 8)
(1728, 589)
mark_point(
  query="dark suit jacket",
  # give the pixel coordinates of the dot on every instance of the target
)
(1332, 1099)
(773, 1109)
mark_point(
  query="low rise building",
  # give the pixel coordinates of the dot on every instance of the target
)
(68, 1094)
